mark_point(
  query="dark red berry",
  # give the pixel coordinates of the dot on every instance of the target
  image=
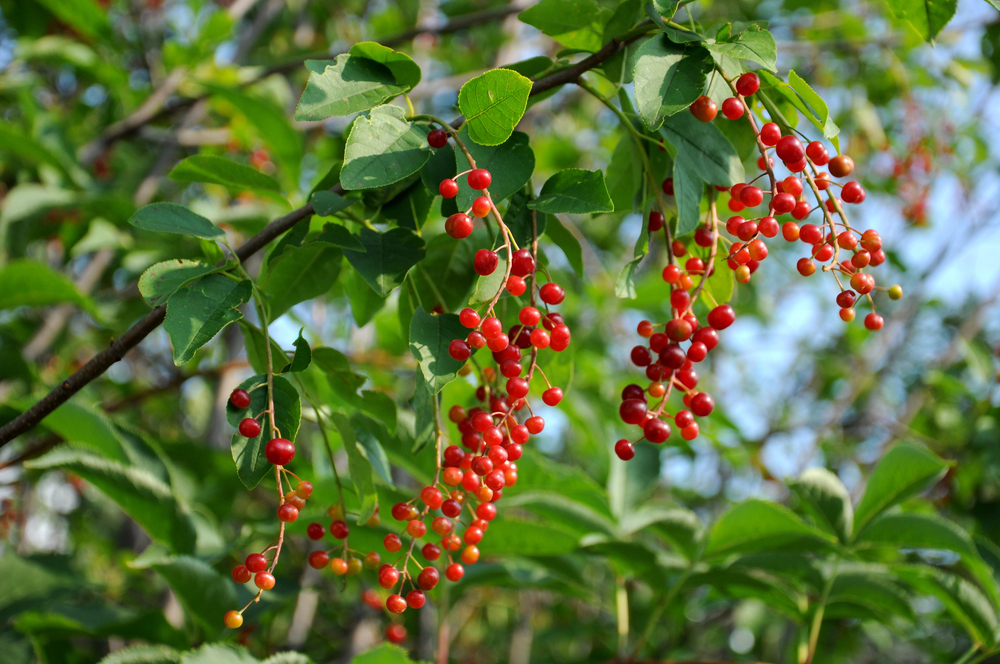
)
(704, 109)
(315, 531)
(438, 138)
(624, 450)
(249, 428)
(448, 188)
(789, 149)
(279, 451)
(552, 293)
(240, 399)
(458, 225)
(747, 84)
(480, 179)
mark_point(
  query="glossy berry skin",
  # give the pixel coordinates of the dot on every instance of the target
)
(241, 574)
(415, 599)
(789, 149)
(874, 322)
(655, 221)
(632, 411)
(395, 634)
(853, 192)
(249, 428)
(770, 134)
(481, 207)
(480, 179)
(552, 293)
(458, 225)
(783, 203)
(516, 285)
(240, 399)
(721, 317)
(459, 350)
(395, 604)
(668, 186)
(256, 562)
(288, 513)
(279, 451)
(233, 619)
(656, 430)
(319, 559)
(751, 196)
(552, 396)
(428, 578)
(704, 109)
(747, 84)
(448, 189)
(339, 529)
(470, 319)
(264, 580)
(841, 166)
(702, 404)
(438, 138)
(732, 108)
(522, 263)
(454, 572)
(392, 543)
(624, 450)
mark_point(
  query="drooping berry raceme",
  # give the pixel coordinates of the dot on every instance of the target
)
(673, 352)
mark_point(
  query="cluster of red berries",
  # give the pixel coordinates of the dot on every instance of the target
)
(670, 366)
(279, 451)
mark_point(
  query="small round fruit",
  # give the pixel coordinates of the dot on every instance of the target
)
(428, 578)
(480, 179)
(288, 513)
(340, 529)
(241, 574)
(470, 555)
(624, 450)
(459, 350)
(721, 317)
(415, 599)
(454, 572)
(896, 292)
(790, 149)
(704, 109)
(392, 543)
(656, 430)
(702, 404)
(668, 186)
(304, 489)
(264, 580)
(552, 293)
(448, 188)
(770, 134)
(256, 562)
(372, 560)
(458, 225)
(319, 559)
(395, 604)
(841, 166)
(732, 108)
(481, 207)
(249, 428)
(338, 566)
(552, 396)
(747, 84)
(240, 399)
(279, 451)
(874, 322)
(438, 138)
(354, 566)
(395, 633)
(655, 221)
(233, 619)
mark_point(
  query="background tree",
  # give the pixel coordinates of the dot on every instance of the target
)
(837, 505)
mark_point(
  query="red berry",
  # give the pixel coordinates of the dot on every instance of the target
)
(249, 428)
(492, 328)
(431, 497)
(535, 424)
(315, 531)
(448, 188)
(684, 418)
(470, 319)
(319, 559)
(454, 572)
(853, 192)
(438, 138)
(768, 227)
(395, 604)
(751, 196)
(721, 317)
(415, 599)
(552, 293)
(702, 404)
(428, 578)
(239, 399)
(388, 576)
(874, 322)
(264, 580)
(801, 210)
(789, 149)
(458, 225)
(485, 263)
(624, 450)
(241, 574)
(747, 84)
(395, 634)
(481, 207)
(841, 166)
(656, 430)
(552, 396)
(811, 234)
(770, 134)
(459, 350)
(522, 263)
(655, 221)
(632, 411)
(480, 179)
(704, 109)
(279, 451)
(339, 529)
(256, 562)
(815, 151)
(806, 266)
(783, 203)
(732, 108)
(516, 285)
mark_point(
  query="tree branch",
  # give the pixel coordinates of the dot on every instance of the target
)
(100, 363)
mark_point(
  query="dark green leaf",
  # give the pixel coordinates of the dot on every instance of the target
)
(511, 165)
(522, 222)
(302, 357)
(204, 593)
(755, 525)
(624, 176)
(668, 78)
(388, 257)
(26, 282)
(196, 313)
(160, 281)
(422, 403)
(300, 274)
(493, 104)
(440, 166)
(383, 148)
(328, 203)
(904, 471)
(403, 68)
(688, 190)
(217, 170)
(141, 495)
(430, 335)
(248, 453)
(338, 236)
(706, 149)
(576, 24)
(361, 469)
(566, 241)
(574, 191)
(367, 432)
(174, 218)
(927, 17)
(365, 302)
(826, 500)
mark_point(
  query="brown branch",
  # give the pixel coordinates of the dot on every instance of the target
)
(100, 363)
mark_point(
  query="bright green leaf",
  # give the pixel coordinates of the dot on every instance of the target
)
(706, 149)
(574, 191)
(30, 283)
(383, 148)
(577, 24)
(826, 500)
(493, 104)
(162, 280)
(927, 17)
(668, 78)
(344, 86)
(430, 335)
(196, 313)
(753, 43)
(174, 218)
(566, 241)
(217, 170)
(755, 525)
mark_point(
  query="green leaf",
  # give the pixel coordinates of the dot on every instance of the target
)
(510, 164)
(404, 70)
(668, 78)
(256, 350)
(625, 285)
(754, 43)
(688, 190)
(488, 286)
(367, 432)
(755, 525)
(388, 257)
(966, 604)
(162, 280)
(447, 274)
(26, 282)
(347, 85)
(302, 357)
(666, 8)
(383, 654)
(143, 655)
(174, 218)
(217, 170)
(83, 15)
(338, 236)
(493, 104)
(219, 654)
(806, 101)
(873, 590)
(566, 241)
(917, 531)
(927, 17)
(383, 148)
(624, 176)
(328, 203)
(288, 657)
(361, 469)
(300, 274)
(577, 24)
(904, 471)
(205, 594)
(520, 220)
(430, 335)
(381, 407)
(248, 453)
(84, 427)
(422, 403)
(365, 302)
(826, 500)
(680, 527)
(574, 191)
(196, 313)
(337, 368)
(706, 149)
(517, 537)
(137, 492)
